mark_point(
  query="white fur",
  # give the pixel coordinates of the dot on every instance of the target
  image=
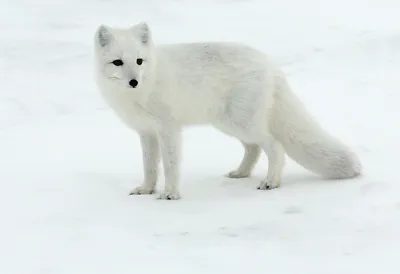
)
(229, 86)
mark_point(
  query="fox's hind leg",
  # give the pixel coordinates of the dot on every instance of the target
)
(251, 155)
(241, 117)
(276, 160)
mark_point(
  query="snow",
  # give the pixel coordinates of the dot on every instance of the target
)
(68, 163)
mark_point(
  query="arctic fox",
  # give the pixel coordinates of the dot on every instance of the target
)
(158, 90)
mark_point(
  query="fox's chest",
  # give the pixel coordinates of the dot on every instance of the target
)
(128, 110)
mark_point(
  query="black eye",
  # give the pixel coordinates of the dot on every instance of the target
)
(117, 62)
(139, 61)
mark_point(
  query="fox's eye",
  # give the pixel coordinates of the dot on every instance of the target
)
(118, 62)
(139, 61)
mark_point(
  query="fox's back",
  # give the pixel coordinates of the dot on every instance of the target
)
(194, 59)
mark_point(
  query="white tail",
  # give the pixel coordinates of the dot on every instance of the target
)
(305, 141)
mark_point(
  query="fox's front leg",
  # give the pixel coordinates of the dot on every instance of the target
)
(170, 145)
(151, 160)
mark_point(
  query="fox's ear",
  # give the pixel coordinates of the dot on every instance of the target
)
(103, 35)
(143, 31)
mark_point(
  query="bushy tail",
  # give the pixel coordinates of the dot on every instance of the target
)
(305, 141)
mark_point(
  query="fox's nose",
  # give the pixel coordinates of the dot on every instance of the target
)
(133, 83)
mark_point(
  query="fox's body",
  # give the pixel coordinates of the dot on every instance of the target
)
(230, 86)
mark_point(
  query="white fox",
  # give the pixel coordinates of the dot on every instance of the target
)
(158, 90)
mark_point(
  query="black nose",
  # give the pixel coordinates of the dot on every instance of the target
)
(133, 83)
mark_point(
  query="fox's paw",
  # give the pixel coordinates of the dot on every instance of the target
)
(142, 190)
(268, 184)
(235, 174)
(169, 195)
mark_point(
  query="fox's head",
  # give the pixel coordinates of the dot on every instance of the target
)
(124, 56)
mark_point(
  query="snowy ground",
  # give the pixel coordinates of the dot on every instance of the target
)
(68, 164)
